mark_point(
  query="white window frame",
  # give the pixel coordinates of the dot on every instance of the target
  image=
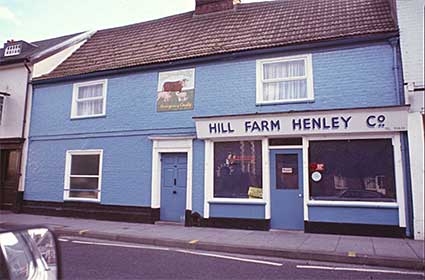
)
(2, 108)
(75, 98)
(398, 173)
(68, 175)
(12, 50)
(309, 76)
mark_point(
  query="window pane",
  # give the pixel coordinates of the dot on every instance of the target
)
(83, 194)
(285, 69)
(285, 90)
(361, 170)
(287, 172)
(238, 169)
(83, 183)
(85, 165)
(90, 91)
(91, 107)
(285, 141)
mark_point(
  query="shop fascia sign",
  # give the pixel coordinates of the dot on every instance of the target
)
(388, 119)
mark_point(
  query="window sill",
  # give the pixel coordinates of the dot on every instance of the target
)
(237, 201)
(282, 102)
(88, 117)
(364, 204)
(82, 200)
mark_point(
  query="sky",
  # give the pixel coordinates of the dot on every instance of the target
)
(33, 20)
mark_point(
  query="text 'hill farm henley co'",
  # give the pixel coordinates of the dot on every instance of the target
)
(320, 123)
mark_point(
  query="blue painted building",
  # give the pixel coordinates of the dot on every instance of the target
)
(254, 125)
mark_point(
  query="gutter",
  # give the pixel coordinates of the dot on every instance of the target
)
(374, 38)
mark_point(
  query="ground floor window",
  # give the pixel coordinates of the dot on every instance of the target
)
(83, 178)
(238, 169)
(354, 170)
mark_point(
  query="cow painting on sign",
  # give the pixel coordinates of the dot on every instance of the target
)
(175, 90)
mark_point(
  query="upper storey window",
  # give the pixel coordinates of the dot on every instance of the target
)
(12, 50)
(285, 79)
(89, 99)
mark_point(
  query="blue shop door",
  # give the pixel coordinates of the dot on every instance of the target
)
(173, 187)
(286, 184)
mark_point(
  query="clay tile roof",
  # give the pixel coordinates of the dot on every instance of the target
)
(248, 26)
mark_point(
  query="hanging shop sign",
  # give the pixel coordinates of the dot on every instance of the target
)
(176, 90)
(386, 119)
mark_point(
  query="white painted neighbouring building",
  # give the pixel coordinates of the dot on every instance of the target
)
(20, 62)
(410, 15)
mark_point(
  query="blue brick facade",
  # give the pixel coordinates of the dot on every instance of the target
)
(349, 77)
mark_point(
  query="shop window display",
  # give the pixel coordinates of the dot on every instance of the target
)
(352, 170)
(238, 169)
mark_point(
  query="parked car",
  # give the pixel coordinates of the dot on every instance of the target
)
(30, 253)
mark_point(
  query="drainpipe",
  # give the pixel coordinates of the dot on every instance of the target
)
(24, 121)
(397, 70)
(399, 89)
(20, 194)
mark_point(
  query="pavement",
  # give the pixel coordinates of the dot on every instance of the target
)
(378, 251)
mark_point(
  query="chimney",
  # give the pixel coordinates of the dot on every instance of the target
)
(212, 6)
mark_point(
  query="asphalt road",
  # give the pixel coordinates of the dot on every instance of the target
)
(96, 259)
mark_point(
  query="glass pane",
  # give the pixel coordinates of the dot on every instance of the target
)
(83, 194)
(90, 91)
(285, 69)
(285, 141)
(287, 172)
(238, 169)
(85, 165)
(78, 183)
(91, 107)
(361, 170)
(286, 90)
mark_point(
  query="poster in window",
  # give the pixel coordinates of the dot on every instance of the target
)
(176, 90)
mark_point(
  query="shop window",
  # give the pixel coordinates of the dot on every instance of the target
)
(238, 169)
(1, 107)
(89, 99)
(352, 170)
(287, 79)
(83, 175)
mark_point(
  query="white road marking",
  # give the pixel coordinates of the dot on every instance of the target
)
(360, 269)
(120, 245)
(63, 239)
(176, 250)
(229, 258)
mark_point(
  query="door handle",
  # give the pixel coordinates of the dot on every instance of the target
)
(174, 192)
(175, 181)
